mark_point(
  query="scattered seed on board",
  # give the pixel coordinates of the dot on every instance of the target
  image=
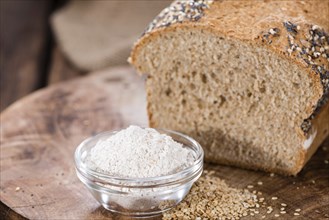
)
(212, 198)
(17, 188)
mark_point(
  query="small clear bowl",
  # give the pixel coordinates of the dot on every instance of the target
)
(144, 196)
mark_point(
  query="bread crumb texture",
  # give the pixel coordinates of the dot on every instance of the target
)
(310, 45)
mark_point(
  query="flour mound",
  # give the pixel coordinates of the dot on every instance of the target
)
(136, 152)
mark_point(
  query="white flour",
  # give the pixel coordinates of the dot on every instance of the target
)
(138, 153)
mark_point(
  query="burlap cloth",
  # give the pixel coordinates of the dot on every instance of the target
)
(97, 34)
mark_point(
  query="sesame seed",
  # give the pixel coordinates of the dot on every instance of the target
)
(17, 188)
(314, 27)
(326, 161)
(274, 198)
(282, 208)
(223, 201)
(316, 54)
(296, 213)
(290, 27)
(250, 186)
(179, 11)
(272, 174)
(283, 204)
(276, 215)
(260, 183)
(297, 210)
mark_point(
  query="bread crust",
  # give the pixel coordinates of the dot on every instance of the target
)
(253, 22)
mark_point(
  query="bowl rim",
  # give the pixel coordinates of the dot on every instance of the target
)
(186, 173)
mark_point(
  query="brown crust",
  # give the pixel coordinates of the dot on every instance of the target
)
(247, 21)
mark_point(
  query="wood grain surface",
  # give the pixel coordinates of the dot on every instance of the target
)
(39, 134)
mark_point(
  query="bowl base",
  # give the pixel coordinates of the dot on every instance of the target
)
(134, 214)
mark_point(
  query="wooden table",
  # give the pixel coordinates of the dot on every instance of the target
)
(40, 132)
(30, 57)
(30, 60)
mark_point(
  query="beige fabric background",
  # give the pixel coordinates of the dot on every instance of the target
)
(97, 34)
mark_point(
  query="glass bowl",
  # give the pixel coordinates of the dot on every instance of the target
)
(143, 196)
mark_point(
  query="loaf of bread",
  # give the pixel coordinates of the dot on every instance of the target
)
(248, 79)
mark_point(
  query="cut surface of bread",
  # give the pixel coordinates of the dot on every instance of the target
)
(244, 102)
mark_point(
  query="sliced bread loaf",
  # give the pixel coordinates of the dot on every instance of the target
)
(248, 79)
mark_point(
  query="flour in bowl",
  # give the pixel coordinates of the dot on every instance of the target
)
(137, 152)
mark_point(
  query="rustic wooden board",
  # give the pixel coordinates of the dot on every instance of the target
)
(40, 133)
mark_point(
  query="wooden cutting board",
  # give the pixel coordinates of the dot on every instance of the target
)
(39, 134)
